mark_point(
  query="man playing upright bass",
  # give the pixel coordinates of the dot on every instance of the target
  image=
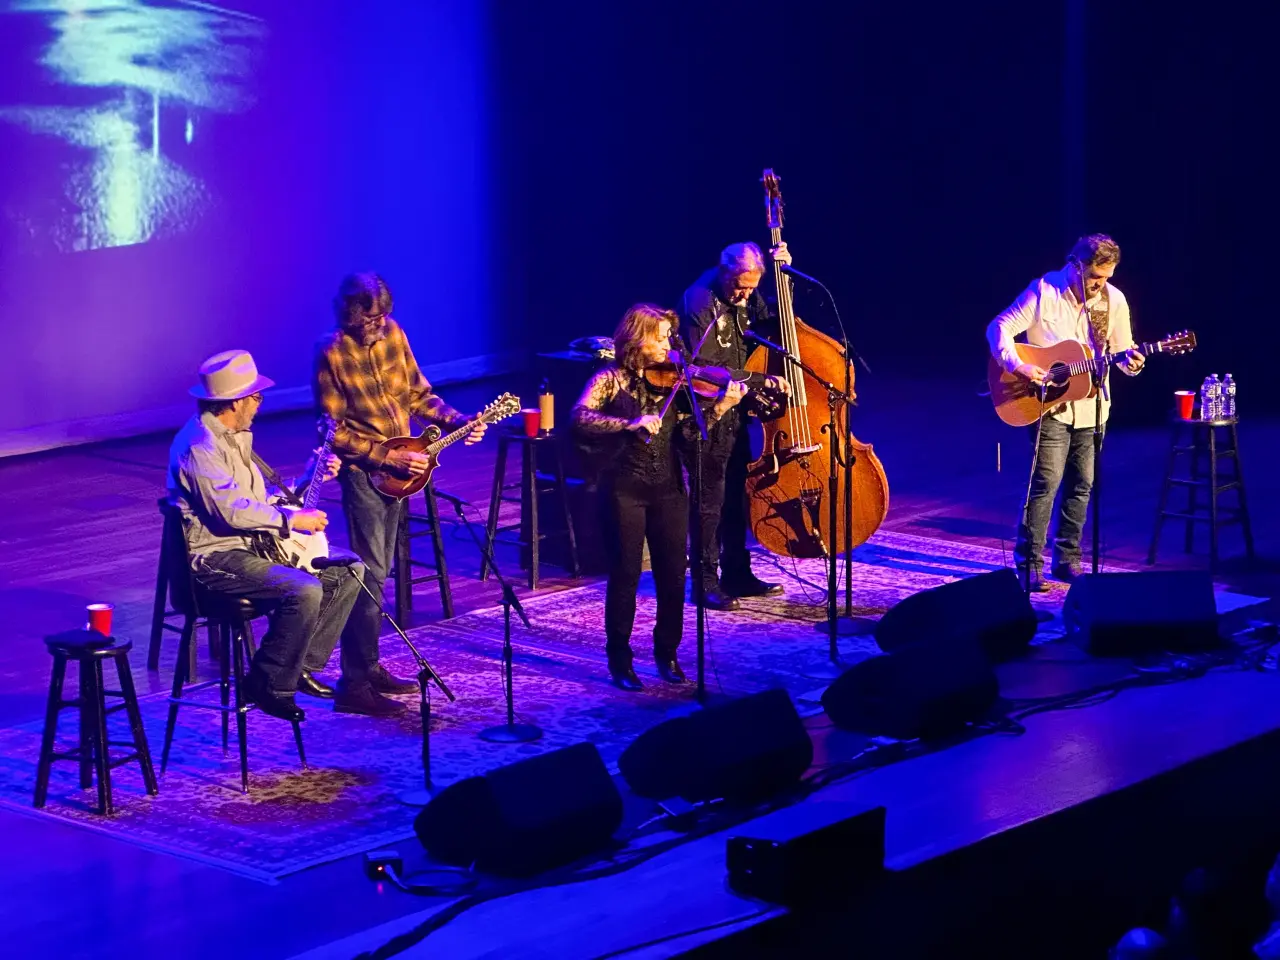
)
(716, 311)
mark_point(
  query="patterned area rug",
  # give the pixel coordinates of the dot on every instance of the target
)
(347, 801)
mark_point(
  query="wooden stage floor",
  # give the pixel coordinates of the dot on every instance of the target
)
(80, 524)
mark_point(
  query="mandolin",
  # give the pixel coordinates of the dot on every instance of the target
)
(430, 442)
(1071, 366)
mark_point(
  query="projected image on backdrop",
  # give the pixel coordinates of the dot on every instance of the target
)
(109, 116)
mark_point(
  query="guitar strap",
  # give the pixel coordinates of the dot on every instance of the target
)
(1100, 323)
(289, 496)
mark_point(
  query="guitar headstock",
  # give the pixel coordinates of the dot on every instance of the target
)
(772, 198)
(326, 427)
(1182, 342)
(504, 406)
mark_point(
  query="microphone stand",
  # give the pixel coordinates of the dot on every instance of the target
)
(1100, 374)
(509, 732)
(426, 674)
(832, 667)
(695, 529)
(846, 623)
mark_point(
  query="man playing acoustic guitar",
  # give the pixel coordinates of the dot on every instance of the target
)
(232, 523)
(1079, 303)
(368, 382)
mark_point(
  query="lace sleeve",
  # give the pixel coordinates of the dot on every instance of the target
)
(588, 415)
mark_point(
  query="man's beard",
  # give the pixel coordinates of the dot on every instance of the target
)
(368, 337)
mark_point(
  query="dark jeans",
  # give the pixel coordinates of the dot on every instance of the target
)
(1066, 460)
(634, 511)
(373, 524)
(722, 514)
(309, 611)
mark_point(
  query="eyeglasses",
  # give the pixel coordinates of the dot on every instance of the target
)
(372, 321)
(255, 397)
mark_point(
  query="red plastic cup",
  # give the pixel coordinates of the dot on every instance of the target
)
(1186, 403)
(100, 618)
(532, 421)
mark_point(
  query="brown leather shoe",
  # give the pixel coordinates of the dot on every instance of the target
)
(384, 682)
(363, 699)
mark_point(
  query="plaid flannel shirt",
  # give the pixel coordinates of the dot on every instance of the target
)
(371, 392)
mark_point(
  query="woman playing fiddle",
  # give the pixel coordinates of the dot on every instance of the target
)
(642, 488)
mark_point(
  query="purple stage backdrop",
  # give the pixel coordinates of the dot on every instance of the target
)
(182, 178)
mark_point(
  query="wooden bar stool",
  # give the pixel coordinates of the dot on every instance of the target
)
(402, 569)
(93, 753)
(531, 483)
(1198, 440)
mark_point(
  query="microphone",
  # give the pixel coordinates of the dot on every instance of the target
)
(768, 344)
(787, 268)
(458, 502)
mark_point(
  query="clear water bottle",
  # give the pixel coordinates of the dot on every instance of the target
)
(1215, 397)
(1206, 399)
(1228, 397)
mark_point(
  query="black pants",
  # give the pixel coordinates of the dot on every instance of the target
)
(722, 514)
(633, 511)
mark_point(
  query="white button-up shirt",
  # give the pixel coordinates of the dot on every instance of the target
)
(1048, 312)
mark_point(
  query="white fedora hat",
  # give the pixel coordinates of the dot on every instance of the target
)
(229, 375)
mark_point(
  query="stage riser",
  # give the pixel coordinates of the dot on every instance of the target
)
(1065, 886)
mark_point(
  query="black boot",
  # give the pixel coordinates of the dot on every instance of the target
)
(749, 585)
(623, 675)
(669, 668)
(314, 688)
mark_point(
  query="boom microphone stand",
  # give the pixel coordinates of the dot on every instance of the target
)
(509, 732)
(695, 529)
(426, 674)
(832, 667)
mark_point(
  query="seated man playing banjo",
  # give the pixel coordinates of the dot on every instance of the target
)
(234, 527)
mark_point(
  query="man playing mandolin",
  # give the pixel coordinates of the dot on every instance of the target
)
(368, 382)
(725, 298)
(1079, 303)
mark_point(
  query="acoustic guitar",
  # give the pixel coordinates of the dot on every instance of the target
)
(430, 442)
(1071, 366)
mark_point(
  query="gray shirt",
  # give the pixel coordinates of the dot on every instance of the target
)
(221, 493)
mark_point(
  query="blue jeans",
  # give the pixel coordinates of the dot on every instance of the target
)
(373, 525)
(309, 611)
(1066, 461)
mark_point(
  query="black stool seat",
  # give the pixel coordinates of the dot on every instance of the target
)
(90, 650)
(531, 483)
(1205, 481)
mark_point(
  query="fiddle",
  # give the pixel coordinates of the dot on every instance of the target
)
(710, 382)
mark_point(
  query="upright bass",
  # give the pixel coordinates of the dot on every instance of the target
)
(788, 486)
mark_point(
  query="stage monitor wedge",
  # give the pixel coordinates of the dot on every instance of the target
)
(1130, 614)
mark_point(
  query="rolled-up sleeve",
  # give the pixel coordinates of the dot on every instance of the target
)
(1015, 319)
(209, 480)
(1122, 330)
